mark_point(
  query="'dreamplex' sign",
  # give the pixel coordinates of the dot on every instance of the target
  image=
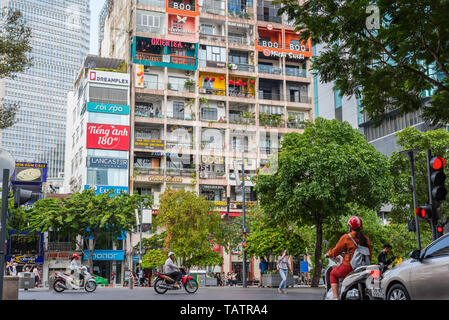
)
(107, 137)
(109, 77)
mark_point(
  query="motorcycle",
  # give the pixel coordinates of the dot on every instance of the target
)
(64, 281)
(362, 283)
(163, 283)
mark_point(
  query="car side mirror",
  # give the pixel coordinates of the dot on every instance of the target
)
(416, 255)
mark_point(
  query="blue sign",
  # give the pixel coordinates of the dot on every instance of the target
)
(105, 189)
(107, 255)
(107, 108)
(304, 266)
(111, 163)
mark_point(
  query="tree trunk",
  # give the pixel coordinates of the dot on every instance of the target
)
(317, 255)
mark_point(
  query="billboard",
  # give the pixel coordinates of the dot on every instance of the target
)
(112, 163)
(107, 108)
(107, 137)
(30, 173)
(104, 189)
(107, 77)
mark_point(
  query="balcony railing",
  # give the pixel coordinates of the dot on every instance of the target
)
(154, 171)
(233, 92)
(271, 96)
(245, 41)
(296, 72)
(239, 119)
(153, 85)
(177, 144)
(217, 92)
(301, 99)
(212, 37)
(212, 64)
(179, 116)
(212, 175)
(152, 3)
(239, 13)
(269, 18)
(60, 246)
(241, 67)
(295, 124)
(180, 172)
(212, 8)
(179, 5)
(268, 150)
(270, 69)
(190, 61)
(271, 120)
(147, 113)
(180, 87)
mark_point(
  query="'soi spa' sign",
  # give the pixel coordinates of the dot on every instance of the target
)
(106, 136)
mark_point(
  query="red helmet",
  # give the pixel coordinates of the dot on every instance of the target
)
(355, 223)
(75, 256)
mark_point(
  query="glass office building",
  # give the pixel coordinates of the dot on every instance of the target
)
(60, 42)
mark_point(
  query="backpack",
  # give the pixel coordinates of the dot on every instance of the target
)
(360, 257)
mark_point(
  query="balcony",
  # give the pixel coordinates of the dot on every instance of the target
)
(212, 175)
(216, 92)
(270, 96)
(268, 150)
(271, 120)
(269, 69)
(179, 87)
(211, 64)
(177, 144)
(147, 84)
(145, 112)
(243, 41)
(154, 171)
(213, 8)
(180, 116)
(299, 98)
(240, 13)
(241, 118)
(60, 246)
(241, 67)
(180, 172)
(295, 124)
(152, 3)
(213, 37)
(269, 18)
(295, 72)
(184, 60)
(234, 92)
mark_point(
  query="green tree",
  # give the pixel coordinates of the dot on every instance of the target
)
(390, 67)
(410, 138)
(190, 224)
(15, 49)
(319, 173)
(153, 259)
(88, 218)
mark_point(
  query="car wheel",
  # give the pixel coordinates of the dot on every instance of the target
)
(398, 292)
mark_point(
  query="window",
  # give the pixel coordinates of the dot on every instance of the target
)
(176, 84)
(178, 110)
(207, 29)
(209, 114)
(438, 249)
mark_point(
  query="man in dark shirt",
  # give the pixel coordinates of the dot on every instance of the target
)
(263, 267)
(382, 257)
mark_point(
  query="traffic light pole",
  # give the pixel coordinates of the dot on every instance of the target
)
(4, 212)
(433, 221)
(243, 216)
(411, 158)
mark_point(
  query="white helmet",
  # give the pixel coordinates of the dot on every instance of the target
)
(170, 253)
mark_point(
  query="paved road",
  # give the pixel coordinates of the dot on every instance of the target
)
(215, 293)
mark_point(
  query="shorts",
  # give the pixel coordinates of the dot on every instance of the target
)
(339, 272)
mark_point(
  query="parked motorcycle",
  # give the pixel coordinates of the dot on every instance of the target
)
(64, 281)
(163, 283)
(362, 283)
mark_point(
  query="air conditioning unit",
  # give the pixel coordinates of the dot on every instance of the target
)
(188, 73)
(203, 90)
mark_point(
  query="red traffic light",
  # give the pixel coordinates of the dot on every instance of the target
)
(440, 229)
(437, 163)
(424, 212)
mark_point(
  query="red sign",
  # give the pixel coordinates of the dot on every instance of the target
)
(108, 137)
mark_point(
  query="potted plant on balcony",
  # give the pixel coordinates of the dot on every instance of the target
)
(189, 84)
(169, 86)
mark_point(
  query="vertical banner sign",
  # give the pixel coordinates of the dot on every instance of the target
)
(139, 75)
(107, 137)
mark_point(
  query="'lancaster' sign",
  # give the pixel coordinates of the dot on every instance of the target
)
(112, 163)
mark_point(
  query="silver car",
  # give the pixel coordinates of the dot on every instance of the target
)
(424, 276)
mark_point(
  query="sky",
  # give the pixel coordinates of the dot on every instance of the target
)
(95, 8)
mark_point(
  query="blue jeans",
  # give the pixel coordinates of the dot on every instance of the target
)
(283, 273)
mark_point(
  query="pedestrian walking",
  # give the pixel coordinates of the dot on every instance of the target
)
(283, 267)
(37, 276)
(263, 266)
(13, 269)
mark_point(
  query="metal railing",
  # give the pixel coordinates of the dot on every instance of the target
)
(295, 124)
(211, 8)
(295, 72)
(217, 92)
(238, 13)
(270, 69)
(146, 113)
(190, 61)
(237, 119)
(153, 85)
(179, 116)
(212, 175)
(246, 41)
(153, 171)
(184, 172)
(234, 92)
(268, 150)
(180, 87)
(212, 37)
(271, 96)
(301, 99)
(276, 121)
(269, 18)
(242, 67)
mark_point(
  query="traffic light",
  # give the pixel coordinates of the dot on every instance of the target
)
(440, 229)
(21, 196)
(437, 179)
(411, 226)
(424, 212)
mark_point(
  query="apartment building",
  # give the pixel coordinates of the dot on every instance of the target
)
(211, 82)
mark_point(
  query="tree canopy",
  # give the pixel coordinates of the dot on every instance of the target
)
(388, 67)
(321, 173)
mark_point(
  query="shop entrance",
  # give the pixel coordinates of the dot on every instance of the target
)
(103, 269)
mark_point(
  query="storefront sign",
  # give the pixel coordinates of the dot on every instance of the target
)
(113, 163)
(107, 137)
(106, 255)
(26, 259)
(104, 189)
(269, 26)
(30, 172)
(166, 179)
(181, 6)
(149, 144)
(271, 53)
(109, 77)
(107, 108)
(166, 43)
(212, 160)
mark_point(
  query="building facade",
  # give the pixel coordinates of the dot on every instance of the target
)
(60, 42)
(210, 80)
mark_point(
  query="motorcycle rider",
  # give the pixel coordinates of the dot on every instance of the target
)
(75, 268)
(171, 269)
(345, 244)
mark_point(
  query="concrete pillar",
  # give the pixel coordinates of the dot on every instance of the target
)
(10, 288)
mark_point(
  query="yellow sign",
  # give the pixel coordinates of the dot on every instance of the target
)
(166, 179)
(212, 160)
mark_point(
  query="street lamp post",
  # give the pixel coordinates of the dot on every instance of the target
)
(243, 216)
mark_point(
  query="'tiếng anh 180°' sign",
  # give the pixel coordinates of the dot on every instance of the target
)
(107, 137)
